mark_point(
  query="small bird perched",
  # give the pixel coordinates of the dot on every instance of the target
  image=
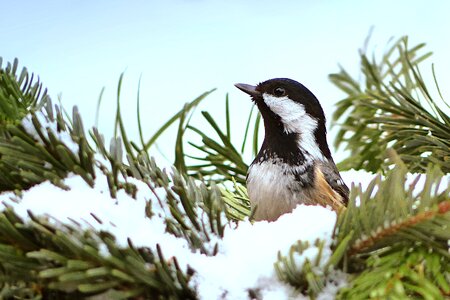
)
(294, 165)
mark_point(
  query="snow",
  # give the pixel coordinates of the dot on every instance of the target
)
(248, 252)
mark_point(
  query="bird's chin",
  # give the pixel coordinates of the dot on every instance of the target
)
(257, 100)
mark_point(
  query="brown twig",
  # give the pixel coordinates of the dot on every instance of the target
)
(365, 243)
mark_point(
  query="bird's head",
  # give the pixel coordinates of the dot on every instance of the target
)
(290, 109)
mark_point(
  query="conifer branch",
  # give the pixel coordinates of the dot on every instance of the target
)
(215, 159)
(388, 226)
(366, 243)
(65, 260)
(391, 107)
(308, 273)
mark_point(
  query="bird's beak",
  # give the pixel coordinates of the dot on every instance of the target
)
(249, 89)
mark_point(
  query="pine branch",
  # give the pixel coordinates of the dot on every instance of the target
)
(66, 260)
(389, 225)
(63, 262)
(392, 107)
(44, 242)
(392, 229)
(388, 211)
(402, 273)
(306, 269)
(395, 227)
(19, 94)
(237, 202)
(222, 160)
(32, 152)
(216, 159)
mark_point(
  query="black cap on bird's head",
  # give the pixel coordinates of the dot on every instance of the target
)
(288, 107)
(285, 87)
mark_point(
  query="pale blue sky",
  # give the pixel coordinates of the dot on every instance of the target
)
(185, 47)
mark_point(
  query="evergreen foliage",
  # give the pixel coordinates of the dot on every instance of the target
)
(221, 160)
(392, 241)
(41, 259)
(392, 108)
(399, 238)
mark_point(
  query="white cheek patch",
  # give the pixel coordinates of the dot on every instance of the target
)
(289, 111)
(295, 120)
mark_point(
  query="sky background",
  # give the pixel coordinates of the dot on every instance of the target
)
(182, 48)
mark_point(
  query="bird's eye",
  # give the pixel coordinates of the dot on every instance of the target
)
(279, 91)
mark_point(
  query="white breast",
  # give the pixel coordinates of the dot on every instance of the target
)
(270, 189)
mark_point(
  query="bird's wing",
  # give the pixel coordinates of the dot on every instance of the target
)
(334, 179)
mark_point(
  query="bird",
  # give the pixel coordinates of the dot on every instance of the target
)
(294, 164)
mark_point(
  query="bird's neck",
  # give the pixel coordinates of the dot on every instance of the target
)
(306, 144)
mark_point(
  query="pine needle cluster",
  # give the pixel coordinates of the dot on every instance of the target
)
(392, 107)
